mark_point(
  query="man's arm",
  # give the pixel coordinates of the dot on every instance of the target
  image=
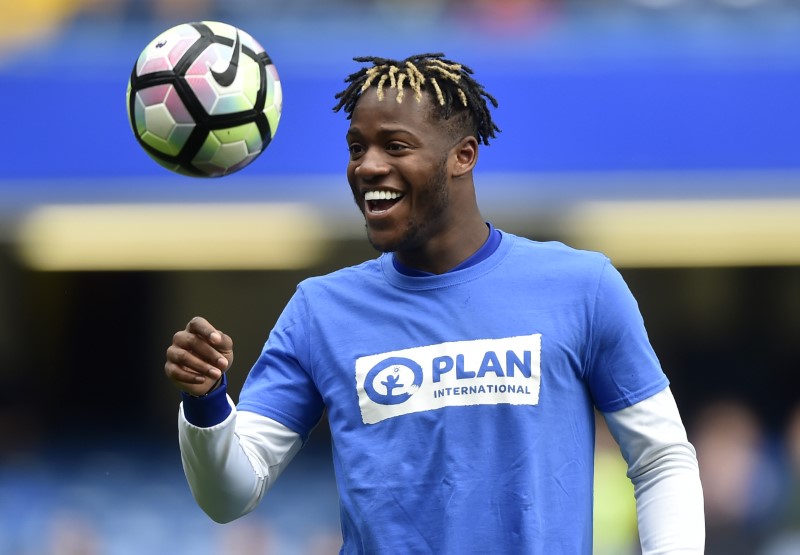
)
(662, 465)
(230, 464)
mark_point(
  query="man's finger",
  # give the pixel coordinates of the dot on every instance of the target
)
(200, 346)
(223, 343)
(182, 375)
(202, 327)
(190, 360)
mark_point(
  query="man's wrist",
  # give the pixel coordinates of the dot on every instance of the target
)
(210, 391)
(207, 410)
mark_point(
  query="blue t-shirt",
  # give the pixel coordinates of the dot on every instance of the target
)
(461, 405)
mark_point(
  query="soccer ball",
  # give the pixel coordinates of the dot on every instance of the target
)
(204, 99)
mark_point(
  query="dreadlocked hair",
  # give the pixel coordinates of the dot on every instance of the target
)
(451, 85)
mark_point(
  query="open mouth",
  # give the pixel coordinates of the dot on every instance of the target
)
(378, 202)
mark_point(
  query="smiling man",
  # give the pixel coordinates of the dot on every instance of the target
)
(411, 162)
(460, 370)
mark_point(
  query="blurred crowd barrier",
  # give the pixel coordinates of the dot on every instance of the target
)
(127, 502)
(508, 11)
(751, 481)
(24, 20)
(751, 484)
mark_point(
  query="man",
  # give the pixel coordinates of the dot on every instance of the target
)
(460, 370)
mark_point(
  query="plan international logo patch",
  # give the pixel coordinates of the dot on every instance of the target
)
(458, 373)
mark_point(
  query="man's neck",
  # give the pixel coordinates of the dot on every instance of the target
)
(409, 264)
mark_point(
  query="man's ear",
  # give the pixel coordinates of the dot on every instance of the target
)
(465, 155)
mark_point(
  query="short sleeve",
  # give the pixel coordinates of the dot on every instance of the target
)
(622, 368)
(280, 385)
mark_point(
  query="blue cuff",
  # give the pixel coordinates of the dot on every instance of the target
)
(209, 410)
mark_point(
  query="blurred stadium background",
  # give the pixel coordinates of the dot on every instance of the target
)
(665, 133)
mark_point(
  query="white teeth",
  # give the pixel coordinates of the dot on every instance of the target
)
(381, 195)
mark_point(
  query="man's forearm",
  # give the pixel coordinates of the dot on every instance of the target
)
(224, 482)
(662, 465)
(231, 465)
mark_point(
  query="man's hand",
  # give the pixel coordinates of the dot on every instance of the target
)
(198, 357)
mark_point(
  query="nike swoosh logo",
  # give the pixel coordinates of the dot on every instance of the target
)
(225, 78)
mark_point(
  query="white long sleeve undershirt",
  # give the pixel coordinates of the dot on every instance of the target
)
(231, 466)
(662, 465)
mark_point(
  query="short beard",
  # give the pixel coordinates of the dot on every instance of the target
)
(420, 229)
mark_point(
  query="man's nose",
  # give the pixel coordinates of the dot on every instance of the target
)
(372, 164)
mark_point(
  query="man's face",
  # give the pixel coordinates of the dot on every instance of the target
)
(398, 170)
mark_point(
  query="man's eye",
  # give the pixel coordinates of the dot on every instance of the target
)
(396, 146)
(355, 149)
